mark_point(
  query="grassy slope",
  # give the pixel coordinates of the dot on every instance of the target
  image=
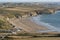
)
(4, 13)
(40, 38)
(4, 24)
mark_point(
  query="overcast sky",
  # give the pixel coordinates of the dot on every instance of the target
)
(29, 0)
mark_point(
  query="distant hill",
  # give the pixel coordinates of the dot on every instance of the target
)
(31, 4)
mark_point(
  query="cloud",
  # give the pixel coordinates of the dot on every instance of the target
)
(29, 0)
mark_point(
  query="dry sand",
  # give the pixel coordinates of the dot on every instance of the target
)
(27, 25)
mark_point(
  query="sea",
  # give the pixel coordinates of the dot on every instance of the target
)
(51, 21)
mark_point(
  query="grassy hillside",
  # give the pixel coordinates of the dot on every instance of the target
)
(4, 24)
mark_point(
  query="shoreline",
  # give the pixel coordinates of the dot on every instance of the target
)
(36, 19)
(30, 26)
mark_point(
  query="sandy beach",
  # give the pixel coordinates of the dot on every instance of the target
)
(26, 25)
(29, 26)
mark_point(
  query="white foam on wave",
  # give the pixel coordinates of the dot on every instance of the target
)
(38, 21)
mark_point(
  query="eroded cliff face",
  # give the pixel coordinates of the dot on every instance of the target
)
(37, 12)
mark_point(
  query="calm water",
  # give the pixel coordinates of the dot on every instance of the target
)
(51, 21)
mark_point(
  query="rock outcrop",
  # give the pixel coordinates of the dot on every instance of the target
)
(38, 12)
